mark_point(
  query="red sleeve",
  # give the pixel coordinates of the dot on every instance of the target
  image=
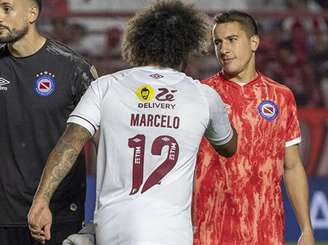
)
(293, 132)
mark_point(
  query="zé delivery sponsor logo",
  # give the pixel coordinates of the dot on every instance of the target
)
(162, 98)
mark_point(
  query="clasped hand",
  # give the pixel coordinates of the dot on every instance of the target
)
(40, 220)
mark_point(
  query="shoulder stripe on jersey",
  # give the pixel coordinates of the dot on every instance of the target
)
(94, 127)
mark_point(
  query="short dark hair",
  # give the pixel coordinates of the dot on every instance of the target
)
(246, 21)
(165, 34)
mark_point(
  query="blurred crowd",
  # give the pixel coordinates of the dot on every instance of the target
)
(293, 50)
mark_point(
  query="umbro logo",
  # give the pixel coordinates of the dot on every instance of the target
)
(156, 76)
(3, 83)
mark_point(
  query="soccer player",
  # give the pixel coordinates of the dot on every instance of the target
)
(238, 200)
(41, 81)
(151, 120)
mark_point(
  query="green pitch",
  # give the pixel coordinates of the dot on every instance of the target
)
(317, 243)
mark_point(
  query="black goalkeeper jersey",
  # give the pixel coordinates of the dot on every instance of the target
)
(37, 94)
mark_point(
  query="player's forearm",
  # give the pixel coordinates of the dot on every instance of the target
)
(61, 160)
(297, 188)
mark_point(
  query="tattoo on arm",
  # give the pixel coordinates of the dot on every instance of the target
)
(61, 159)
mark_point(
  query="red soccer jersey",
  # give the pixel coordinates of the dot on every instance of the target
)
(238, 200)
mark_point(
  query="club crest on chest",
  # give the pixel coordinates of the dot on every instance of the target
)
(268, 110)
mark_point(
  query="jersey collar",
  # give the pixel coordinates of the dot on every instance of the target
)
(256, 80)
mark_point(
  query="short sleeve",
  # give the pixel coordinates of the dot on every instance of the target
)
(219, 130)
(87, 111)
(83, 75)
(293, 132)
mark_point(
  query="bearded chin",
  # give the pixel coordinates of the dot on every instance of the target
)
(14, 35)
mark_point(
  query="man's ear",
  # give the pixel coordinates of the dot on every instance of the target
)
(255, 42)
(33, 14)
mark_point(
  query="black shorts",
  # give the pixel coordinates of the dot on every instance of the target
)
(22, 236)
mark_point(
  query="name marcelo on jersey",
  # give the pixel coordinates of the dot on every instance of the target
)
(157, 121)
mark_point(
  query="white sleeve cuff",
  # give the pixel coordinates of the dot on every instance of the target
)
(82, 122)
(293, 142)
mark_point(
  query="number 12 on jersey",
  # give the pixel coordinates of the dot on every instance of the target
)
(138, 144)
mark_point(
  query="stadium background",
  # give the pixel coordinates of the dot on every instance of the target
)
(293, 51)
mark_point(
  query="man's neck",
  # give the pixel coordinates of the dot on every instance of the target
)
(28, 45)
(245, 76)
(242, 78)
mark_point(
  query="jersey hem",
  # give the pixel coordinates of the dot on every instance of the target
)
(54, 223)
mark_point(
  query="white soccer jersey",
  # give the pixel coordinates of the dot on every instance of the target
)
(151, 122)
